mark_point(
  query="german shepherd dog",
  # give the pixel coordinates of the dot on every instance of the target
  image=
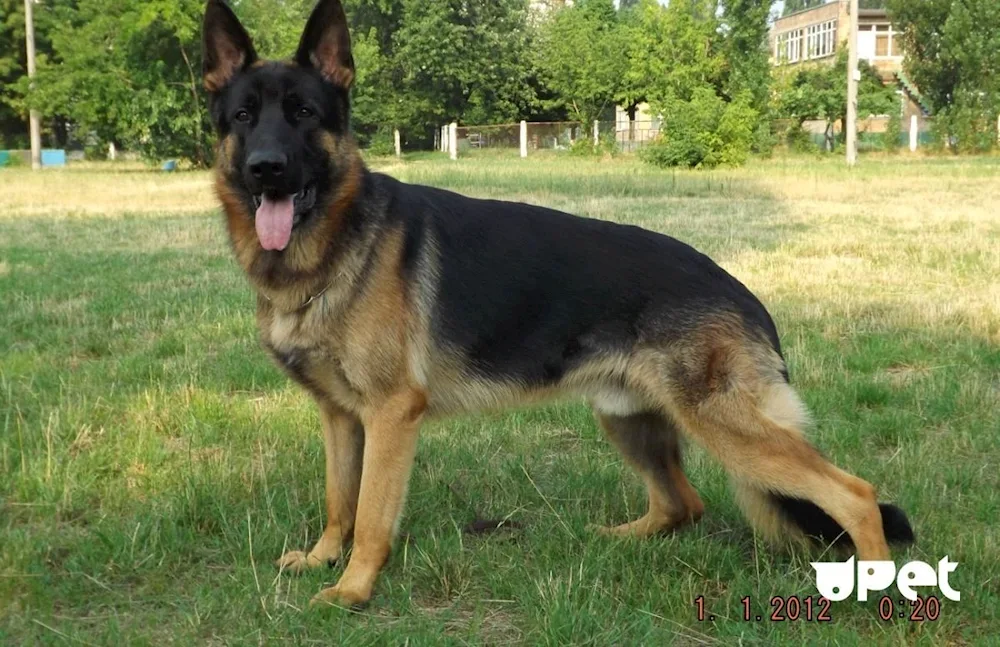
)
(391, 303)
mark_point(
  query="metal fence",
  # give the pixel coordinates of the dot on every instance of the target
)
(555, 135)
(915, 132)
(630, 136)
(626, 136)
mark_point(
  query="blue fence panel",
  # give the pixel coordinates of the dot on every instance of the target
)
(53, 157)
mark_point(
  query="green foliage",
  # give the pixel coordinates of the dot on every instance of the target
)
(13, 131)
(705, 131)
(747, 62)
(819, 92)
(683, 50)
(127, 72)
(706, 71)
(798, 140)
(466, 62)
(583, 147)
(276, 25)
(13, 161)
(607, 146)
(382, 143)
(893, 131)
(968, 125)
(953, 56)
(580, 57)
(793, 6)
(13, 66)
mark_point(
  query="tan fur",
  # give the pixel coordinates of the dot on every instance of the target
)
(302, 273)
(651, 446)
(343, 439)
(327, 59)
(390, 445)
(375, 330)
(724, 405)
(231, 60)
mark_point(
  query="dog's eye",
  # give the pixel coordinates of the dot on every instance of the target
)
(243, 116)
(304, 113)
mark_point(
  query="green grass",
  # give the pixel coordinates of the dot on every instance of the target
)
(153, 463)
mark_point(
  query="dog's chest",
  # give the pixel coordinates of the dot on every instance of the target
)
(310, 352)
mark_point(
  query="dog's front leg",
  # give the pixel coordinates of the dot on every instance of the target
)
(343, 440)
(390, 445)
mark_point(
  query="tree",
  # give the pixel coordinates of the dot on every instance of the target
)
(13, 126)
(792, 6)
(819, 92)
(952, 50)
(747, 60)
(13, 67)
(276, 25)
(683, 62)
(582, 57)
(128, 72)
(466, 61)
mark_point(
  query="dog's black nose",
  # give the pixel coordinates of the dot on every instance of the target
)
(267, 165)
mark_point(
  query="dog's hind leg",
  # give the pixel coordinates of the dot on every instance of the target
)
(650, 444)
(343, 440)
(730, 395)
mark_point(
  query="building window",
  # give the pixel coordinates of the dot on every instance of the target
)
(788, 46)
(886, 45)
(814, 41)
(821, 40)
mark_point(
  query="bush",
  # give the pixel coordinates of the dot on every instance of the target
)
(966, 126)
(583, 147)
(607, 146)
(799, 140)
(704, 132)
(382, 143)
(14, 161)
(765, 140)
(893, 132)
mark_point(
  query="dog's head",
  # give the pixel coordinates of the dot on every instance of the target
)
(281, 124)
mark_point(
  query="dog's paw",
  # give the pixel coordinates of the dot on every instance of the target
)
(296, 562)
(337, 596)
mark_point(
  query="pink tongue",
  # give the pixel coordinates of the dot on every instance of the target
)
(274, 222)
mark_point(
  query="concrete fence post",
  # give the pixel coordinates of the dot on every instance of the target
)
(597, 133)
(914, 133)
(524, 138)
(453, 140)
(399, 145)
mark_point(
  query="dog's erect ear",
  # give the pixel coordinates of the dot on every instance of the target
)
(227, 47)
(326, 44)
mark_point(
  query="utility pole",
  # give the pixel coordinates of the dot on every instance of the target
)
(851, 127)
(36, 128)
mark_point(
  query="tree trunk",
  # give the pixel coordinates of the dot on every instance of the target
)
(201, 160)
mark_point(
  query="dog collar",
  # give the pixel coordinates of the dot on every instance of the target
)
(309, 300)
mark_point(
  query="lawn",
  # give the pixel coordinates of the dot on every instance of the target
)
(153, 463)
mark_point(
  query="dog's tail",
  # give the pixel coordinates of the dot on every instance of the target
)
(785, 519)
(788, 520)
